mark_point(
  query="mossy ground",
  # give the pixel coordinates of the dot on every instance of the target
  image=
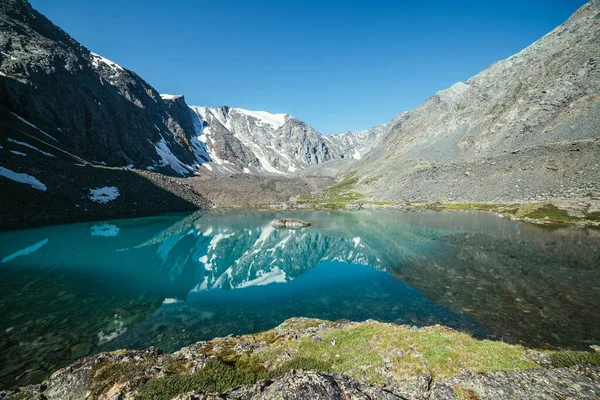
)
(371, 351)
(547, 213)
(337, 196)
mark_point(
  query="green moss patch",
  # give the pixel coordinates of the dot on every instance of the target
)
(334, 197)
(570, 358)
(552, 213)
(363, 352)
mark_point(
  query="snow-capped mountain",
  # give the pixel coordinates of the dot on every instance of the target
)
(240, 140)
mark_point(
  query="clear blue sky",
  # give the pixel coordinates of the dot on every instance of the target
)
(338, 65)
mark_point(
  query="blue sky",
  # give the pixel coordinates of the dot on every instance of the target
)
(338, 65)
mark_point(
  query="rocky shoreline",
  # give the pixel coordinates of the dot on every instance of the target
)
(309, 358)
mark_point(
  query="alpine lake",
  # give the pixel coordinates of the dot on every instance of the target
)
(168, 281)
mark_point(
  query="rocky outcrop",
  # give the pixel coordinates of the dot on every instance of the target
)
(289, 223)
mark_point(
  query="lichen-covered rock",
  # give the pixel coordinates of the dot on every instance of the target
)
(559, 383)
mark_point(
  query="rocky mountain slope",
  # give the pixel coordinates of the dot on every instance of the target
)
(258, 142)
(526, 128)
(85, 103)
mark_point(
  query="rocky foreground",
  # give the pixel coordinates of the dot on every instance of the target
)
(313, 359)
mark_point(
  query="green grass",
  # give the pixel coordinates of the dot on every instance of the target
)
(216, 376)
(570, 358)
(334, 197)
(361, 350)
(552, 213)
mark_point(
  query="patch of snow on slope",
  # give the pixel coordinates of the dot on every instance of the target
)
(104, 194)
(168, 158)
(97, 59)
(267, 165)
(18, 153)
(105, 230)
(171, 96)
(32, 125)
(31, 147)
(22, 178)
(199, 140)
(276, 275)
(26, 250)
(275, 120)
(170, 300)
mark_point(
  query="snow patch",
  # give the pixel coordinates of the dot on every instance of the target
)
(32, 125)
(276, 275)
(356, 241)
(171, 96)
(26, 250)
(22, 178)
(168, 158)
(97, 59)
(105, 230)
(246, 170)
(104, 194)
(267, 165)
(18, 153)
(266, 118)
(31, 147)
(170, 300)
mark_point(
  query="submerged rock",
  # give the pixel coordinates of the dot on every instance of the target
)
(289, 223)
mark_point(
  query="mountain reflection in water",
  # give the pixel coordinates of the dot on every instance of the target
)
(171, 280)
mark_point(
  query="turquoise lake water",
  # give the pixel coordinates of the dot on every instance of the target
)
(169, 281)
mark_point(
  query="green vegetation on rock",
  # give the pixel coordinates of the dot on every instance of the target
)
(570, 358)
(372, 352)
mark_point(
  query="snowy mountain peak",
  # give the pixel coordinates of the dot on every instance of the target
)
(270, 143)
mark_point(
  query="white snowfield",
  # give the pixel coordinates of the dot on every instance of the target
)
(275, 120)
(22, 178)
(104, 194)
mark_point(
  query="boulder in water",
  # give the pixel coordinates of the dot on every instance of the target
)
(289, 223)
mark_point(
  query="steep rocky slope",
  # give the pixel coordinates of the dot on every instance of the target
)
(85, 103)
(526, 128)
